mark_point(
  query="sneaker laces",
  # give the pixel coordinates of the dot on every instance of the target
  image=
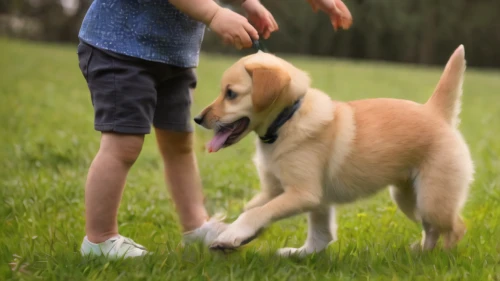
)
(125, 240)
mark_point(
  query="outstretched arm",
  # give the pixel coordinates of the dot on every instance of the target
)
(233, 28)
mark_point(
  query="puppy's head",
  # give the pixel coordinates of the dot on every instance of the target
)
(253, 91)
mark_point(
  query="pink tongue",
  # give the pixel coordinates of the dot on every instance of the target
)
(218, 141)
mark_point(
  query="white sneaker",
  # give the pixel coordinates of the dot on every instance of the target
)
(207, 232)
(113, 248)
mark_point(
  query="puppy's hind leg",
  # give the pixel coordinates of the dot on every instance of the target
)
(405, 197)
(430, 236)
(451, 238)
(441, 192)
(322, 231)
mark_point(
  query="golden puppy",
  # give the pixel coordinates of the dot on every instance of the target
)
(313, 152)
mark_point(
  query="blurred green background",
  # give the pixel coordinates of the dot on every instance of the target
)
(411, 31)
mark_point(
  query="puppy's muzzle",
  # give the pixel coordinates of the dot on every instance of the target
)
(199, 119)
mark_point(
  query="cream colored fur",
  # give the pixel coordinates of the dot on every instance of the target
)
(334, 152)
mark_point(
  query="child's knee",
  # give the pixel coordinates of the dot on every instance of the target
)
(183, 144)
(175, 143)
(125, 148)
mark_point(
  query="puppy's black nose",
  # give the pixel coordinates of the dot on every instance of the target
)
(198, 119)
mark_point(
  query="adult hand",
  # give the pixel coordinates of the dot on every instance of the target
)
(339, 14)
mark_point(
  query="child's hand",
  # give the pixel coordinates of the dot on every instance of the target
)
(336, 9)
(233, 28)
(260, 17)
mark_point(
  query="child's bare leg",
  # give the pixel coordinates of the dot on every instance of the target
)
(105, 183)
(182, 177)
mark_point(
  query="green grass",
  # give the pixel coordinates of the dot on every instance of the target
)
(47, 142)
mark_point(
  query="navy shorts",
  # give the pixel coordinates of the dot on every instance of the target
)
(129, 94)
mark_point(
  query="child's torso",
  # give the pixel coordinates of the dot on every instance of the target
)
(148, 29)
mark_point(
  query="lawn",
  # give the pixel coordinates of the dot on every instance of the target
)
(47, 142)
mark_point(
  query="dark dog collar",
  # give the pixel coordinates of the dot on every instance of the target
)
(272, 132)
(258, 45)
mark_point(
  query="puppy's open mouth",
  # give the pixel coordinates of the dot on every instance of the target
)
(228, 134)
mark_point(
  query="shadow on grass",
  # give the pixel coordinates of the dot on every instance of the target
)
(196, 262)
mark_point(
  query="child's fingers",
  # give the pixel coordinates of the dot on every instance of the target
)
(333, 20)
(272, 22)
(340, 22)
(228, 40)
(346, 23)
(275, 24)
(266, 33)
(261, 26)
(244, 38)
(345, 17)
(343, 8)
(237, 43)
(266, 28)
(251, 31)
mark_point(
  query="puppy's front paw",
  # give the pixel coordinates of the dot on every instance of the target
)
(234, 237)
(416, 247)
(287, 252)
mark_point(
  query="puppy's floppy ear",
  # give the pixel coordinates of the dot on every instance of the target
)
(267, 84)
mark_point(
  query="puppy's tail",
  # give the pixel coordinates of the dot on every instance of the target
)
(445, 100)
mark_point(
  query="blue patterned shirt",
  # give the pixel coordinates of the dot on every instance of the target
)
(148, 29)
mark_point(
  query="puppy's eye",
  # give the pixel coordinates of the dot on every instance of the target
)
(230, 95)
